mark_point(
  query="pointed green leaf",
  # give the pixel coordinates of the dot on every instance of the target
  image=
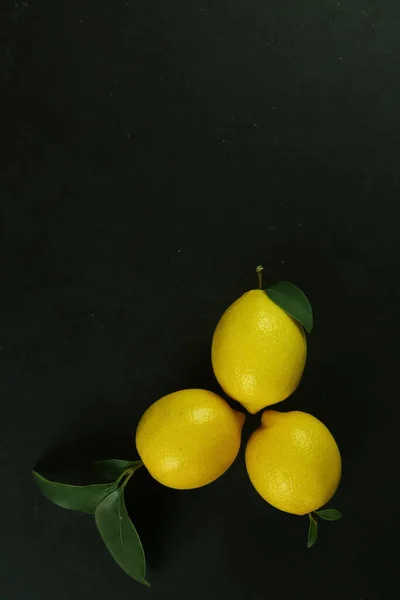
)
(329, 514)
(312, 532)
(120, 536)
(293, 301)
(113, 468)
(84, 498)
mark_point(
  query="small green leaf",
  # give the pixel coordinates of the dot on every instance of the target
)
(113, 468)
(84, 498)
(312, 531)
(120, 536)
(293, 301)
(329, 514)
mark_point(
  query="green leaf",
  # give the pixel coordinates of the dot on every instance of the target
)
(84, 498)
(120, 536)
(293, 301)
(329, 514)
(312, 531)
(113, 468)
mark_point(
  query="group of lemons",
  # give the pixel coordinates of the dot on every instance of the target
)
(189, 438)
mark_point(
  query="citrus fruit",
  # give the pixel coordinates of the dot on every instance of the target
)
(189, 438)
(293, 461)
(258, 351)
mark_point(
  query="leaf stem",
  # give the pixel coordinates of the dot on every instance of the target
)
(259, 271)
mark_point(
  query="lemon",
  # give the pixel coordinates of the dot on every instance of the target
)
(293, 461)
(258, 352)
(189, 438)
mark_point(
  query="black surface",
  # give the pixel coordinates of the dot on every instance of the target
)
(154, 153)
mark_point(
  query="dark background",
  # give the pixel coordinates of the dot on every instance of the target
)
(153, 154)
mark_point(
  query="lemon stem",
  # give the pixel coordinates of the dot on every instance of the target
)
(126, 475)
(259, 271)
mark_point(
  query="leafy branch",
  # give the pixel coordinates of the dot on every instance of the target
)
(106, 501)
(327, 514)
(290, 298)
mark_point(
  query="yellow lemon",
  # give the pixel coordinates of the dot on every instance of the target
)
(258, 352)
(293, 461)
(189, 438)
